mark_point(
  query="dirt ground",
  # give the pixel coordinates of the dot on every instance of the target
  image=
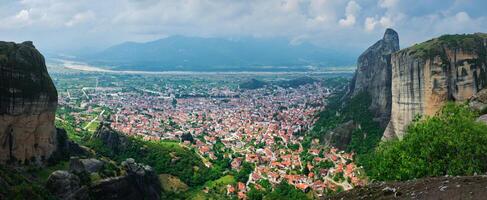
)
(437, 188)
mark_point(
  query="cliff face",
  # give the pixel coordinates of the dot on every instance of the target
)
(28, 100)
(373, 75)
(425, 76)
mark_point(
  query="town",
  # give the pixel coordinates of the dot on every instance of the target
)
(261, 127)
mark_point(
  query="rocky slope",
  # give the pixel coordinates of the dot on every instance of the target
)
(426, 75)
(28, 100)
(373, 75)
(467, 187)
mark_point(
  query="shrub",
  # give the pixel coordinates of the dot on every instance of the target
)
(451, 142)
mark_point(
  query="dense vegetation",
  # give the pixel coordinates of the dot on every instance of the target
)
(364, 138)
(282, 191)
(295, 82)
(451, 142)
(18, 184)
(252, 84)
(165, 157)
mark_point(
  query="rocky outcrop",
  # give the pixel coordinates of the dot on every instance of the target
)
(28, 101)
(66, 148)
(340, 136)
(478, 101)
(88, 165)
(138, 182)
(65, 185)
(110, 138)
(425, 76)
(373, 75)
(141, 182)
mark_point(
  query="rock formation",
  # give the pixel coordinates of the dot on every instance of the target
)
(110, 138)
(373, 75)
(478, 101)
(141, 182)
(426, 75)
(340, 136)
(88, 165)
(65, 185)
(28, 101)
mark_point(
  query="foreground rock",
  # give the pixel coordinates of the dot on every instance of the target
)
(452, 188)
(140, 183)
(28, 101)
(425, 76)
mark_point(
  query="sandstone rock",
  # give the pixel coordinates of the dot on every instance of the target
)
(425, 76)
(28, 101)
(65, 185)
(90, 165)
(478, 101)
(373, 75)
(141, 182)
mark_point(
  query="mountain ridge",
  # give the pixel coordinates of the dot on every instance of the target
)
(195, 53)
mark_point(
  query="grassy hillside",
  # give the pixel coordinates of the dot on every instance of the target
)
(165, 157)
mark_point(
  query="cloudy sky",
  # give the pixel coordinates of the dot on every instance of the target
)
(58, 26)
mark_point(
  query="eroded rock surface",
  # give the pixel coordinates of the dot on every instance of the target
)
(373, 75)
(425, 76)
(28, 101)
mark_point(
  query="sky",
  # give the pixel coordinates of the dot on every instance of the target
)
(68, 26)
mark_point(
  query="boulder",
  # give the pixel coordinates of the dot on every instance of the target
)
(90, 165)
(65, 185)
(478, 101)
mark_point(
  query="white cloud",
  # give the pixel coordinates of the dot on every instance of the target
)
(23, 15)
(388, 3)
(350, 11)
(462, 17)
(370, 23)
(104, 23)
(80, 18)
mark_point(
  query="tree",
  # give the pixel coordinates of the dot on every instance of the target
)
(243, 174)
(187, 137)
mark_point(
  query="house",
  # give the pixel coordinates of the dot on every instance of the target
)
(236, 163)
(303, 187)
(230, 189)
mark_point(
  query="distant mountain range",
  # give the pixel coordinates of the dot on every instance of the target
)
(217, 54)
